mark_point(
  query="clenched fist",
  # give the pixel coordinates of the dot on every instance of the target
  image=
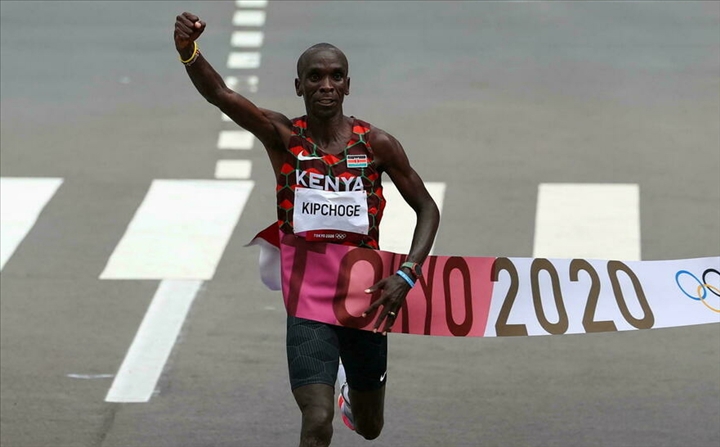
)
(188, 28)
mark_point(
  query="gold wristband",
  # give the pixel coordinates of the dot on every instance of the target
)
(195, 53)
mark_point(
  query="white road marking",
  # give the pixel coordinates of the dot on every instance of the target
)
(233, 169)
(144, 362)
(242, 83)
(232, 82)
(398, 222)
(243, 60)
(235, 139)
(246, 39)
(251, 3)
(592, 221)
(249, 18)
(180, 230)
(91, 376)
(21, 202)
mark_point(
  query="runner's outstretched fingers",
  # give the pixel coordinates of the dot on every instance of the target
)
(394, 290)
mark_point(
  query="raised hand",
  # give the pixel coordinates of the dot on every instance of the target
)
(188, 27)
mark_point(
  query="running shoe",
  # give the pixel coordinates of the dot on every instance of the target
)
(344, 404)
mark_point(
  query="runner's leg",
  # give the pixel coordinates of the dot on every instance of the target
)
(313, 357)
(364, 356)
(368, 411)
(316, 404)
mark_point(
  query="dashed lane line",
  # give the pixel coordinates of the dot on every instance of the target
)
(243, 60)
(235, 140)
(248, 18)
(233, 169)
(247, 39)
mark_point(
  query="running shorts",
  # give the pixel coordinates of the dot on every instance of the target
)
(314, 350)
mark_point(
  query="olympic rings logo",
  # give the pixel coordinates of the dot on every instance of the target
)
(702, 289)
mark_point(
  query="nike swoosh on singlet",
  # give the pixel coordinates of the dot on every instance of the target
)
(302, 157)
(383, 376)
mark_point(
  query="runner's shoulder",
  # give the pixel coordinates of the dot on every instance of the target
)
(387, 149)
(278, 119)
(382, 141)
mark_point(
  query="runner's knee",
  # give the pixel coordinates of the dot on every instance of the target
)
(369, 428)
(317, 425)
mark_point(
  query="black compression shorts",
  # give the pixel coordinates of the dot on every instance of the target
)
(314, 349)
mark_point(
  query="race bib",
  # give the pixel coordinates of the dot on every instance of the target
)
(316, 209)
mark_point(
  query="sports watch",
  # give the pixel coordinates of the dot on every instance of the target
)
(414, 267)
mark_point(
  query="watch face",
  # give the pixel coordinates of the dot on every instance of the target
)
(418, 270)
(415, 269)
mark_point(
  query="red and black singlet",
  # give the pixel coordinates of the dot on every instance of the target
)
(307, 166)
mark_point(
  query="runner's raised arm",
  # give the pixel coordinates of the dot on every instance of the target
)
(273, 129)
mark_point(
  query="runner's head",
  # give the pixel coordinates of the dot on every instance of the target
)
(322, 79)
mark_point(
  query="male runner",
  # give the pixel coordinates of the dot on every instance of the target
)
(327, 157)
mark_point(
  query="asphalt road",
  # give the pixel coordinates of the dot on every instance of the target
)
(491, 98)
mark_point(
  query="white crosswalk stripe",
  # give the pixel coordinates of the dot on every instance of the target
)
(180, 230)
(396, 229)
(21, 202)
(592, 221)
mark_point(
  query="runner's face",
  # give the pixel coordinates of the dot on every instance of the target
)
(323, 83)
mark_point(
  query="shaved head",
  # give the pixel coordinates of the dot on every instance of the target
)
(307, 55)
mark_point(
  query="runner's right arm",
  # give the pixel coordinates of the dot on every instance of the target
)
(273, 129)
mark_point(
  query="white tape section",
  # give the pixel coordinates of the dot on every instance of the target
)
(575, 296)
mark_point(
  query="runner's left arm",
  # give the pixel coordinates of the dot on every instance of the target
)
(393, 160)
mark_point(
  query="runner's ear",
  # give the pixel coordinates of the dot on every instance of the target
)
(297, 87)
